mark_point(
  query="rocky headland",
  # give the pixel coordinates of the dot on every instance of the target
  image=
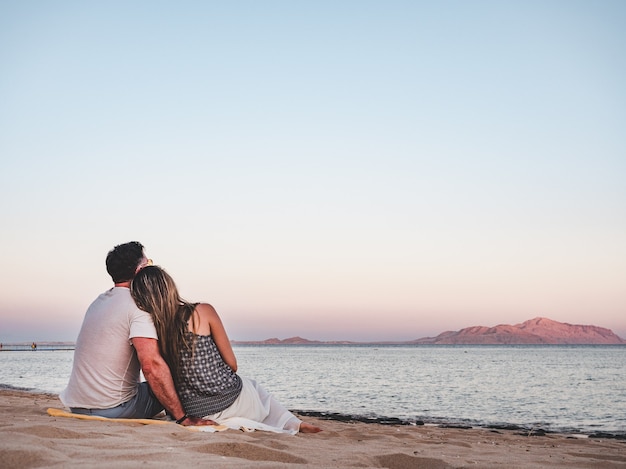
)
(532, 332)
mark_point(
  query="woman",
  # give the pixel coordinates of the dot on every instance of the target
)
(193, 341)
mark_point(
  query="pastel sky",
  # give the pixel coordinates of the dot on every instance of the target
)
(358, 170)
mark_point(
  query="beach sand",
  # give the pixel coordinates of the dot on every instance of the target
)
(30, 438)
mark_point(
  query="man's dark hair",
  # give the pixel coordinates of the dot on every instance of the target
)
(122, 261)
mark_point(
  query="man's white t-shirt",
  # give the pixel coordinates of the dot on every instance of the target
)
(106, 369)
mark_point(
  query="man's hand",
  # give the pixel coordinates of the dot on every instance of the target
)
(195, 421)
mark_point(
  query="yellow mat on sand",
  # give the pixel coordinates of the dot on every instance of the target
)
(62, 413)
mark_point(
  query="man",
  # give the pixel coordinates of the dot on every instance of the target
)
(116, 341)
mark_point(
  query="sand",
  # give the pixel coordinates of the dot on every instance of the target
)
(30, 438)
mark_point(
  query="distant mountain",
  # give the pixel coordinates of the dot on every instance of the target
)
(533, 331)
(290, 341)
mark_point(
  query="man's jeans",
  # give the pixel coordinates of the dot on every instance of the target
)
(143, 405)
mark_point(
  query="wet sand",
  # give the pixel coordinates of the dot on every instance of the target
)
(30, 438)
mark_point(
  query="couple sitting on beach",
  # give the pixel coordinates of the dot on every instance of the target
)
(142, 324)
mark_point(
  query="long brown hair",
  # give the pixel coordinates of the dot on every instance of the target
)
(155, 292)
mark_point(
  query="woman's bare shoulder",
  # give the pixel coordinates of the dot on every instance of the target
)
(205, 310)
(203, 316)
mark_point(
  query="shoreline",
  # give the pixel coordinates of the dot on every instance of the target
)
(535, 430)
(30, 438)
(448, 422)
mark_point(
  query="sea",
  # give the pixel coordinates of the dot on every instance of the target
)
(574, 389)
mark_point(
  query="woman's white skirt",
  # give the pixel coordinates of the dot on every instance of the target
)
(256, 409)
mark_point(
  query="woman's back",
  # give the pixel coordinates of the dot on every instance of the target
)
(207, 384)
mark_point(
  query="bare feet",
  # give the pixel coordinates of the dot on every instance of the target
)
(309, 428)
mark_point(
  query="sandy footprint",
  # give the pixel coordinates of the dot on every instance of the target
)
(600, 457)
(23, 459)
(249, 452)
(275, 445)
(404, 461)
(51, 432)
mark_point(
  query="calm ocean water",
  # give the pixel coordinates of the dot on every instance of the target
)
(579, 389)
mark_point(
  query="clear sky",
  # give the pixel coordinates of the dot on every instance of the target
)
(359, 170)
